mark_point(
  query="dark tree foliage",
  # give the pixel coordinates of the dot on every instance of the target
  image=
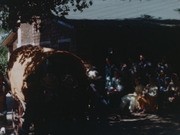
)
(3, 59)
(25, 10)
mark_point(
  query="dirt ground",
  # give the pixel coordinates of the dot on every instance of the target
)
(136, 124)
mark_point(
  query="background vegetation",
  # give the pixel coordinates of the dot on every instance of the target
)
(3, 51)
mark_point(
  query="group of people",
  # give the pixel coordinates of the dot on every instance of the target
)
(144, 86)
(138, 86)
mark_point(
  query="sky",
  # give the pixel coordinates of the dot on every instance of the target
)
(125, 9)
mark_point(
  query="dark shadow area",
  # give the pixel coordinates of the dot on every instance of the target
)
(128, 38)
(137, 125)
(54, 110)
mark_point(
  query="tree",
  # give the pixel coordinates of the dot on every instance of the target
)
(3, 52)
(3, 58)
(26, 10)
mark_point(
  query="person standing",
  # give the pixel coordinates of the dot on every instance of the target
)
(109, 73)
(3, 92)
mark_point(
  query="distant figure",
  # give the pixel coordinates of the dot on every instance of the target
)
(148, 101)
(132, 99)
(174, 92)
(2, 131)
(109, 73)
(162, 65)
(144, 69)
(3, 92)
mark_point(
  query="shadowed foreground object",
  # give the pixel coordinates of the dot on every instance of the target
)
(50, 87)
